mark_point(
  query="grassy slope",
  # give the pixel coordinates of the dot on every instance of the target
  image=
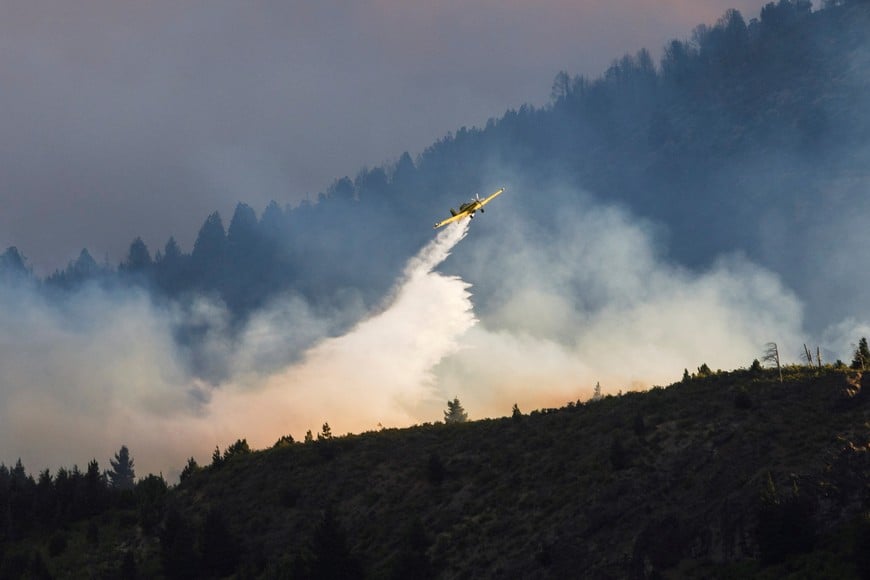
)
(669, 481)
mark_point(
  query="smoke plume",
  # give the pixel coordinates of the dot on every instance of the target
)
(80, 379)
(593, 299)
(590, 298)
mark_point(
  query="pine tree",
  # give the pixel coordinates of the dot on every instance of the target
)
(240, 447)
(455, 413)
(209, 251)
(861, 358)
(45, 502)
(189, 469)
(210, 242)
(122, 475)
(171, 251)
(138, 257)
(94, 489)
(12, 263)
(596, 392)
(217, 460)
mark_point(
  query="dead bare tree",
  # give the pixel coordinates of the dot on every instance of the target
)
(771, 355)
(809, 356)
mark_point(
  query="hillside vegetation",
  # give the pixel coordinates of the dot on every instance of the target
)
(748, 138)
(728, 475)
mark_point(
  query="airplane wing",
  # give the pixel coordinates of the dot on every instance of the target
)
(458, 216)
(470, 210)
(492, 197)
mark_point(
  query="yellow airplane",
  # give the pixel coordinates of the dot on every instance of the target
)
(468, 208)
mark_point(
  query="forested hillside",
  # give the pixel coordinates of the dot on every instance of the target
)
(723, 475)
(701, 203)
(748, 137)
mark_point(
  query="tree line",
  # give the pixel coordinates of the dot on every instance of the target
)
(29, 504)
(672, 140)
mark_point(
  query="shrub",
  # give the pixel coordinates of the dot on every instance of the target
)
(435, 469)
(331, 553)
(618, 456)
(638, 425)
(219, 547)
(785, 526)
(742, 399)
(177, 552)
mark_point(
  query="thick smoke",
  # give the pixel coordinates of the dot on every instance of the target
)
(378, 373)
(81, 377)
(139, 119)
(101, 369)
(589, 298)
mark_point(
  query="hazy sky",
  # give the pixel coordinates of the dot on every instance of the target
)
(139, 118)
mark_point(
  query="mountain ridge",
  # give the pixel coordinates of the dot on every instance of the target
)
(754, 128)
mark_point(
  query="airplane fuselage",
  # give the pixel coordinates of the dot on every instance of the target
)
(468, 208)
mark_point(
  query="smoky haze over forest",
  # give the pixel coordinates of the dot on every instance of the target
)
(140, 120)
(660, 216)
